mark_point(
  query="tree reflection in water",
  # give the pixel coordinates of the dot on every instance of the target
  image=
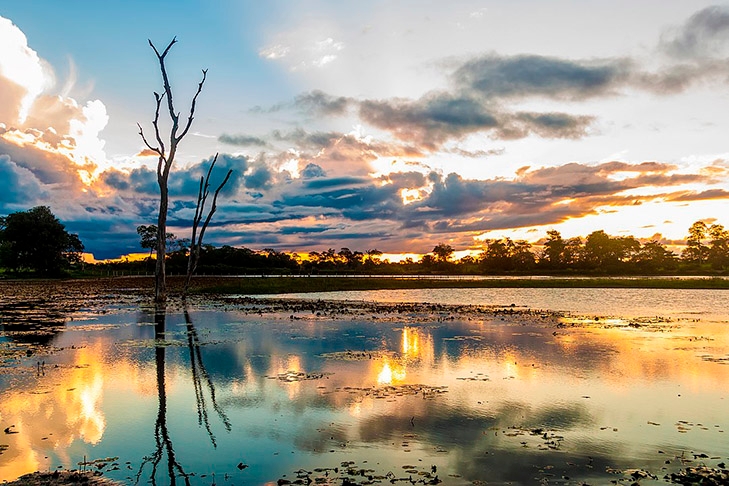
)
(199, 372)
(163, 442)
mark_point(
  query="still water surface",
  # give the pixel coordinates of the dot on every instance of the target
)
(231, 397)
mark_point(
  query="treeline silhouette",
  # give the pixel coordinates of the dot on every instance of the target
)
(706, 253)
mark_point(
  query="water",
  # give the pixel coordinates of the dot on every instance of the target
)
(629, 380)
(625, 302)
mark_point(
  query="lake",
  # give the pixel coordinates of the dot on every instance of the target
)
(558, 386)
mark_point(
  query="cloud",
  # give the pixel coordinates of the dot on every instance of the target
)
(321, 211)
(307, 140)
(141, 180)
(699, 195)
(242, 140)
(21, 188)
(183, 181)
(259, 177)
(48, 166)
(484, 90)
(545, 125)
(437, 118)
(59, 134)
(298, 55)
(495, 76)
(318, 103)
(311, 171)
(147, 153)
(20, 65)
(430, 120)
(313, 185)
(333, 152)
(704, 34)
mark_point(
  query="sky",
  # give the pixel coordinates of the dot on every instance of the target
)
(389, 125)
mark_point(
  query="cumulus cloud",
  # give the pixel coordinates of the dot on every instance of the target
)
(53, 132)
(332, 151)
(21, 66)
(319, 210)
(21, 187)
(311, 171)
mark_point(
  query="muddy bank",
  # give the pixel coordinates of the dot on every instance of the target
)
(61, 478)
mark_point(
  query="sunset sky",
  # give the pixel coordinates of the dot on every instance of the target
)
(393, 125)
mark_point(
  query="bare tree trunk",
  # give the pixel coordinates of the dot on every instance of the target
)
(197, 239)
(160, 272)
(165, 160)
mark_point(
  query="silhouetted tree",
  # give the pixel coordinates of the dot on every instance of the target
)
(372, 258)
(718, 252)
(427, 260)
(497, 256)
(553, 253)
(352, 260)
(504, 254)
(654, 257)
(165, 158)
(572, 254)
(148, 237)
(36, 240)
(197, 238)
(606, 253)
(443, 252)
(696, 251)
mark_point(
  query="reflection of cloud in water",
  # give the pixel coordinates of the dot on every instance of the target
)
(505, 380)
(69, 406)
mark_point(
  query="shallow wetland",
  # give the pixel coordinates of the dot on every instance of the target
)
(438, 386)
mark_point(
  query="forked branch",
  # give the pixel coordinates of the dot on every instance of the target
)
(197, 239)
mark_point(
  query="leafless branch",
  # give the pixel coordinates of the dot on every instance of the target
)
(214, 207)
(192, 105)
(197, 239)
(155, 122)
(144, 139)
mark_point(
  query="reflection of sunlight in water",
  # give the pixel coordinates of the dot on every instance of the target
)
(385, 376)
(410, 342)
(391, 373)
(355, 409)
(92, 418)
(510, 363)
(289, 364)
(416, 348)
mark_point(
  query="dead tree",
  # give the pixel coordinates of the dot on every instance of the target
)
(165, 158)
(197, 238)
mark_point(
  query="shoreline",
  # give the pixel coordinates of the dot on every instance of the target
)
(141, 287)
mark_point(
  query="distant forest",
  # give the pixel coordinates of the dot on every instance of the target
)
(706, 253)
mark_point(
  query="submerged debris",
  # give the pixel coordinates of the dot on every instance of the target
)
(357, 355)
(59, 478)
(348, 473)
(705, 476)
(292, 376)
